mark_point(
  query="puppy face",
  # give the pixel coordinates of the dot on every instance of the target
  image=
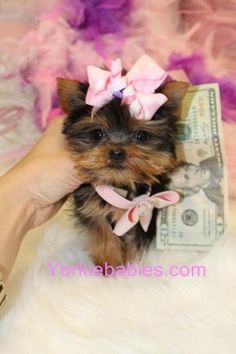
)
(115, 148)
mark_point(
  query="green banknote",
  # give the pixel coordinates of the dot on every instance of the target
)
(200, 218)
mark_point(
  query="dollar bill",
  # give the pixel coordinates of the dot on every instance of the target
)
(200, 218)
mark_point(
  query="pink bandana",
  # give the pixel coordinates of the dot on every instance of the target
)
(135, 89)
(138, 210)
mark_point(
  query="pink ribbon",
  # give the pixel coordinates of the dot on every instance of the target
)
(136, 88)
(138, 210)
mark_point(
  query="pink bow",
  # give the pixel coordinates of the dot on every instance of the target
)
(138, 210)
(135, 89)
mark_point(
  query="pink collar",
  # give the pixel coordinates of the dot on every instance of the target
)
(138, 210)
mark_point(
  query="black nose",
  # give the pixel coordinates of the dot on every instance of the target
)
(117, 155)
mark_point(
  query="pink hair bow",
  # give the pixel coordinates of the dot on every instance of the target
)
(138, 210)
(136, 88)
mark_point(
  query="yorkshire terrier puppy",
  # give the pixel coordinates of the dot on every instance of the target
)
(113, 148)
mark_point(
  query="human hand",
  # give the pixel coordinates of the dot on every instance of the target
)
(46, 175)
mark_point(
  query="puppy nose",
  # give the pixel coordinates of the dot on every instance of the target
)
(117, 154)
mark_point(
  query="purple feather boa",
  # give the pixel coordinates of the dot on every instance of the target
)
(194, 68)
(104, 16)
(95, 18)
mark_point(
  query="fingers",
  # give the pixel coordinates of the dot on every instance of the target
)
(55, 125)
(44, 214)
(52, 139)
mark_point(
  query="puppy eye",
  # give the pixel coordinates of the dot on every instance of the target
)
(97, 134)
(141, 136)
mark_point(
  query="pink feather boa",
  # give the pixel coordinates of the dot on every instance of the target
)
(213, 28)
(158, 28)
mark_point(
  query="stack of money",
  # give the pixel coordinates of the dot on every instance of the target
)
(200, 218)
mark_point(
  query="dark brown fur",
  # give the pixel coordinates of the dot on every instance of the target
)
(141, 165)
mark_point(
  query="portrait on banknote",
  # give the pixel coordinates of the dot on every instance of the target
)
(189, 179)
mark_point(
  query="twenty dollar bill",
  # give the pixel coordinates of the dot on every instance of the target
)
(199, 219)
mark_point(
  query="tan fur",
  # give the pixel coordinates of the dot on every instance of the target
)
(68, 93)
(103, 246)
(141, 167)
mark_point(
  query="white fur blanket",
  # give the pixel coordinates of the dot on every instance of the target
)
(83, 315)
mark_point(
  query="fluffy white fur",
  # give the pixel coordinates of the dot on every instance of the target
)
(118, 315)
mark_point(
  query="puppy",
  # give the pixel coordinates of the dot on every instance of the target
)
(113, 148)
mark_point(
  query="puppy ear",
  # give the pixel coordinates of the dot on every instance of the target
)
(175, 92)
(70, 94)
